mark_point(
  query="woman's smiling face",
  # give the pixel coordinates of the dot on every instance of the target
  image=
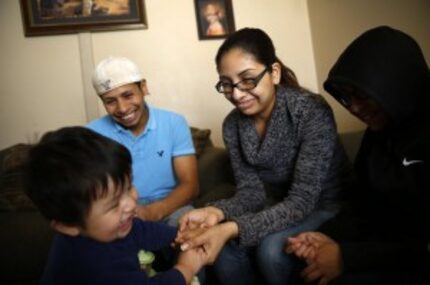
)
(237, 65)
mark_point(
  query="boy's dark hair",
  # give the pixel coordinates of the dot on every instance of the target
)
(70, 168)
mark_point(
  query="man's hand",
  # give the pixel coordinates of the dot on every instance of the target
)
(185, 168)
(304, 245)
(151, 212)
(326, 265)
(321, 253)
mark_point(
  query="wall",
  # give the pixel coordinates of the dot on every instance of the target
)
(44, 84)
(40, 81)
(41, 77)
(335, 23)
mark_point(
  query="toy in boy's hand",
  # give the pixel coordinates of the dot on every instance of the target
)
(195, 281)
(145, 259)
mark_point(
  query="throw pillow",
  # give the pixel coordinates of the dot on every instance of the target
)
(200, 139)
(12, 195)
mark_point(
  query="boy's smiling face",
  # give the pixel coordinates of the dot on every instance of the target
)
(111, 216)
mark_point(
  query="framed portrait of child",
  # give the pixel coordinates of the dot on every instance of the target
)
(214, 18)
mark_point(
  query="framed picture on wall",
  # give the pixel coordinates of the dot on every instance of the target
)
(214, 18)
(49, 17)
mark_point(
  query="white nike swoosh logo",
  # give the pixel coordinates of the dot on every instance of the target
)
(406, 162)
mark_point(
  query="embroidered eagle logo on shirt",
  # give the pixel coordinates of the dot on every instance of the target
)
(160, 153)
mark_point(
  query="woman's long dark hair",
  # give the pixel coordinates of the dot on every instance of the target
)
(257, 43)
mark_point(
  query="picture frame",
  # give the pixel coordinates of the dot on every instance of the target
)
(214, 19)
(53, 17)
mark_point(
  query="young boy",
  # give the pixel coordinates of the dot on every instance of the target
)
(81, 182)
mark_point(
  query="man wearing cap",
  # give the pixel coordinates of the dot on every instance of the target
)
(164, 164)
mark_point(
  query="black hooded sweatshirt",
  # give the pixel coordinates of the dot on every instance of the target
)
(386, 224)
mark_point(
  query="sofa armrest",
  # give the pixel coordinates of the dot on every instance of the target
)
(215, 176)
(24, 245)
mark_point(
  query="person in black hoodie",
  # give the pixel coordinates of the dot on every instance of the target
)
(382, 236)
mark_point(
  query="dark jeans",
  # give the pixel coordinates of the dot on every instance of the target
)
(266, 263)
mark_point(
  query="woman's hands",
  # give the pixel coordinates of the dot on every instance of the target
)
(200, 218)
(212, 239)
(321, 253)
(202, 228)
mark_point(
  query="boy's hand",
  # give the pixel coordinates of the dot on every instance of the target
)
(190, 262)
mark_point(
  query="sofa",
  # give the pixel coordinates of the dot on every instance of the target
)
(26, 236)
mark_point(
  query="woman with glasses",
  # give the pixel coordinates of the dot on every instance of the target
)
(287, 163)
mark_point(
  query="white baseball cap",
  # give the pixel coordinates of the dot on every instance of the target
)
(114, 72)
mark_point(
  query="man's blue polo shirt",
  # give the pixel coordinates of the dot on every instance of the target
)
(166, 135)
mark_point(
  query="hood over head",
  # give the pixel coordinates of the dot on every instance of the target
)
(389, 66)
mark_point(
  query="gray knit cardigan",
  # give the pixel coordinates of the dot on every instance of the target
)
(300, 157)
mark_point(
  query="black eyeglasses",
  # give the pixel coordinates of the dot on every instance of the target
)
(344, 94)
(344, 99)
(247, 84)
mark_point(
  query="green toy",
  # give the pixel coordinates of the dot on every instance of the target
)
(145, 259)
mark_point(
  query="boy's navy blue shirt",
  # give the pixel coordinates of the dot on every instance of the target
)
(80, 260)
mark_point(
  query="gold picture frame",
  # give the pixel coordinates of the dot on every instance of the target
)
(214, 18)
(53, 17)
